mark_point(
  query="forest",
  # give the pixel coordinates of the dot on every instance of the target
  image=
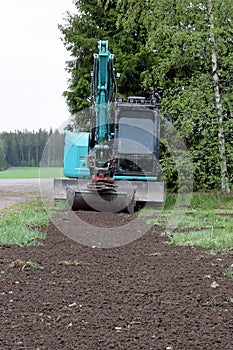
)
(24, 148)
(178, 51)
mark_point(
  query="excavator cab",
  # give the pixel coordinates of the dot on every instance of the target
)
(137, 139)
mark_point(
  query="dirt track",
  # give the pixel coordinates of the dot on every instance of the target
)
(143, 295)
(18, 190)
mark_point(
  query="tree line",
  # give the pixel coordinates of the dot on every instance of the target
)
(180, 51)
(24, 148)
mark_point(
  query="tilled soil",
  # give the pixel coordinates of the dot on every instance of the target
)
(147, 294)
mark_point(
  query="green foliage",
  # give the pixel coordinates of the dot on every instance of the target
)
(2, 155)
(80, 35)
(182, 71)
(162, 48)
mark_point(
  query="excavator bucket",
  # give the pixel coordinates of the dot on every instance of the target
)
(123, 197)
(80, 197)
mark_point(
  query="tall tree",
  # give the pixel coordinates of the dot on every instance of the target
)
(2, 155)
(218, 100)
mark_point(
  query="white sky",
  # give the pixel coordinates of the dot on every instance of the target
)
(32, 64)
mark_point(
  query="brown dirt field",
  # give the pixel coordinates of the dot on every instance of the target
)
(143, 295)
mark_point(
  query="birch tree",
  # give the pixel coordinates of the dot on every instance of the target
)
(218, 100)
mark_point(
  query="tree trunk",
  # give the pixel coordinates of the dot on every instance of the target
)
(29, 155)
(221, 137)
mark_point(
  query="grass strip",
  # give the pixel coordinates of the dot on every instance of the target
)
(31, 173)
(20, 224)
(207, 223)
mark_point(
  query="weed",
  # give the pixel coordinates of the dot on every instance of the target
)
(31, 265)
(229, 272)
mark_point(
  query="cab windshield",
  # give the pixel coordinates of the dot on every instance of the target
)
(135, 135)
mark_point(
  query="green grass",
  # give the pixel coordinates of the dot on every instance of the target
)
(31, 173)
(229, 272)
(207, 222)
(20, 224)
(209, 238)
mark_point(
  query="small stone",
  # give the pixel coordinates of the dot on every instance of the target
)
(73, 304)
(214, 284)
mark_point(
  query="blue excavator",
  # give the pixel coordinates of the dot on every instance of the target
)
(114, 166)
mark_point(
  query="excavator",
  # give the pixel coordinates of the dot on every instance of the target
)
(114, 167)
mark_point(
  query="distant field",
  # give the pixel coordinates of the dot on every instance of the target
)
(31, 173)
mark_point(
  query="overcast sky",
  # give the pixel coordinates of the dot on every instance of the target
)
(32, 64)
